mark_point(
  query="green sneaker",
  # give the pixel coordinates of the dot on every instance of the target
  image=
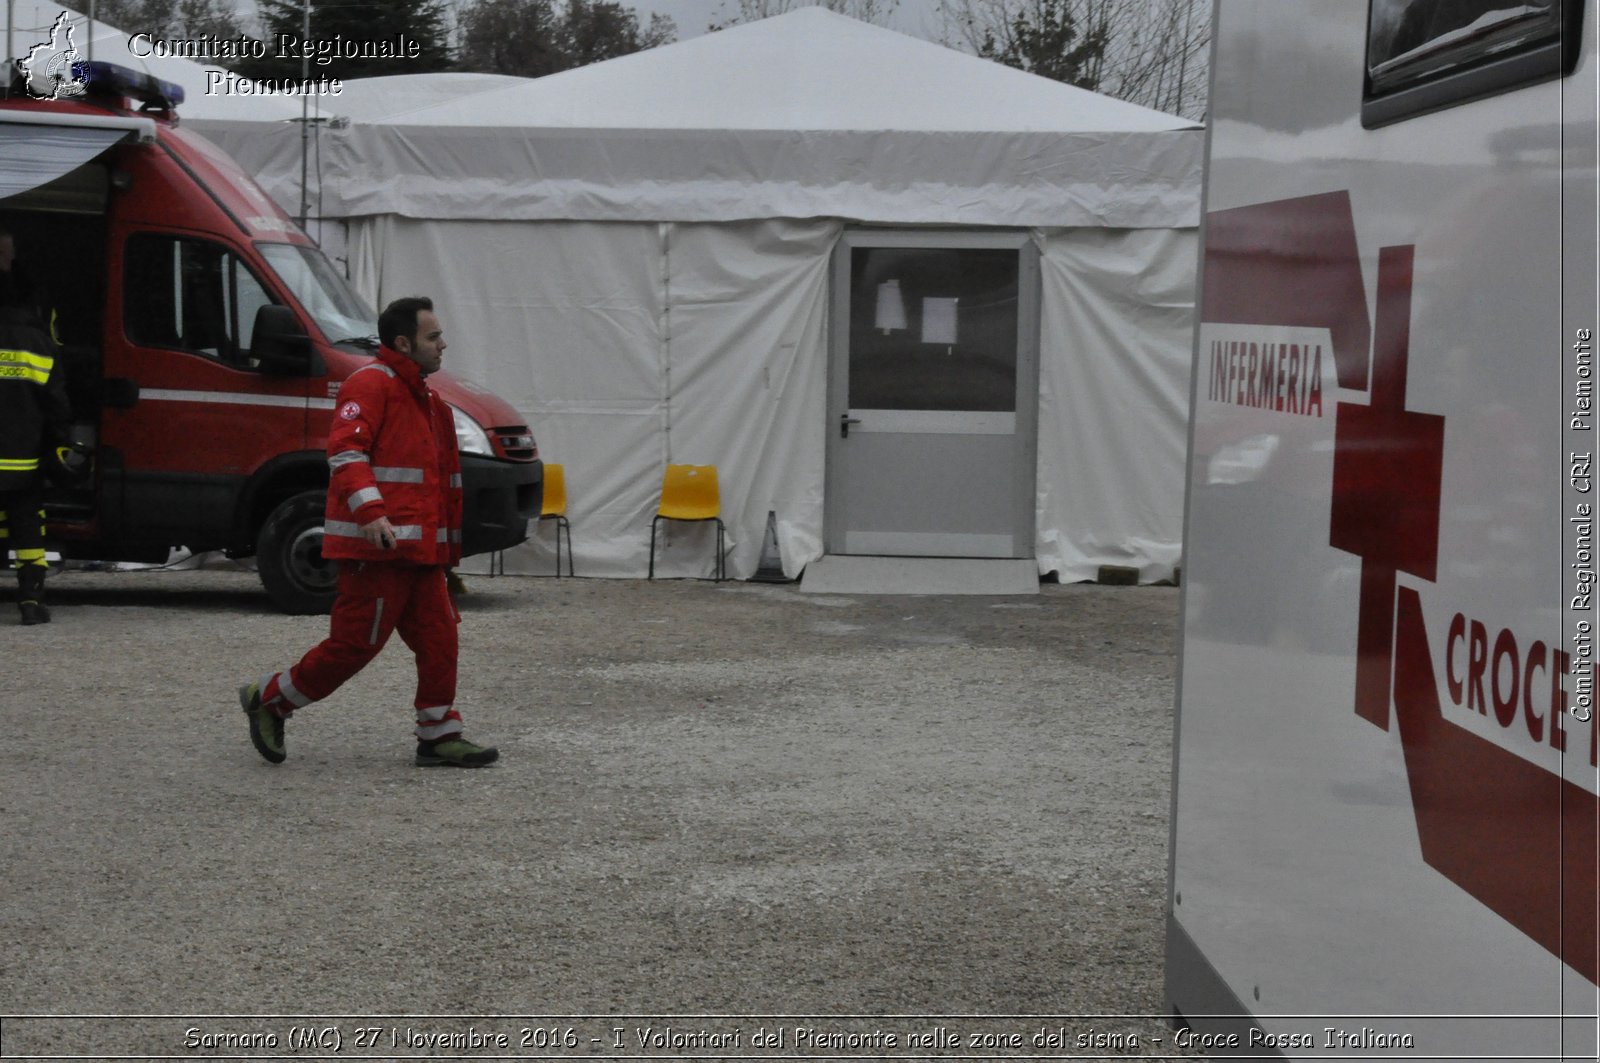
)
(455, 752)
(266, 728)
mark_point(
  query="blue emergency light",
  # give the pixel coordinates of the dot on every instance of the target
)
(111, 79)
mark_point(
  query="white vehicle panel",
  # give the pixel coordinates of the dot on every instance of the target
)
(1385, 796)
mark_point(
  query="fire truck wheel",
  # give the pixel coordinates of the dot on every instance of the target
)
(289, 556)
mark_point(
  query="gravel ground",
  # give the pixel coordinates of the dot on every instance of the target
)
(733, 799)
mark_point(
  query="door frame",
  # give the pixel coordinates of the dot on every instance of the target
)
(1029, 316)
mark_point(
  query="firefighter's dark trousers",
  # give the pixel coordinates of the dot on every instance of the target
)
(22, 532)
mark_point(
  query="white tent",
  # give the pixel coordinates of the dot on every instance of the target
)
(391, 99)
(637, 254)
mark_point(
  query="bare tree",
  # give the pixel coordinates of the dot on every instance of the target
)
(170, 18)
(1050, 38)
(532, 38)
(521, 37)
(1149, 52)
(596, 30)
(1161, 56)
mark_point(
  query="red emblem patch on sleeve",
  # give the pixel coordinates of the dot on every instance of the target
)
(350, 411)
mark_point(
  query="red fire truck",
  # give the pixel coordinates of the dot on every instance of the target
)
(205, 338)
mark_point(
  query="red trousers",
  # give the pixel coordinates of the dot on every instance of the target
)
(375, 599)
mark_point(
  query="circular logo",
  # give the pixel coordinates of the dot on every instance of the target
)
(350, 411)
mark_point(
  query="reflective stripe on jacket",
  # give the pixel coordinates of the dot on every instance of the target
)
(392, 453)
(33, 398)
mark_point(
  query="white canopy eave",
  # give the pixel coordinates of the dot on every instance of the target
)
(1124, 180)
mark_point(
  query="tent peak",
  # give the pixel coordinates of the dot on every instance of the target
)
(809, 69)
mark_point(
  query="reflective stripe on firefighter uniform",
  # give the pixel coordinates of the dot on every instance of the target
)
(22, 526)
(33, 411)
(26, 365)
(33, 398)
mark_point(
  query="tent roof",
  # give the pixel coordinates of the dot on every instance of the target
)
(397, 97)
(809, 69)
(805, 115)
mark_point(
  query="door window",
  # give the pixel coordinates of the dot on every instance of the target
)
(191, 295)
(933, 329)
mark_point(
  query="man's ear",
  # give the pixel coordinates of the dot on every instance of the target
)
(402, 344)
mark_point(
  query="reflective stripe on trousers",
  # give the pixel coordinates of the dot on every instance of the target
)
(377, 599)
(437, 722)
(22, 525)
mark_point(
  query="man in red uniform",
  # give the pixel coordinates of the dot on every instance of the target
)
(394, 524)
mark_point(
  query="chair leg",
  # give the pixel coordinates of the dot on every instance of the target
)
(559, 522)
(719, 570)
(721, 567)
(567, 526)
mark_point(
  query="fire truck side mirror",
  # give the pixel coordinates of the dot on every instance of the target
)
(279, 346)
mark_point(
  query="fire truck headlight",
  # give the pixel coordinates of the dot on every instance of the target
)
(470, 436)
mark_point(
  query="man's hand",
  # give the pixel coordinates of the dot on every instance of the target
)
(379, 533)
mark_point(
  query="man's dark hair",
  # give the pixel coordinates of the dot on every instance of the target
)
(399, 318)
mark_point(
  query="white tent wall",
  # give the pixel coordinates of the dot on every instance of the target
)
(1118, 318)
(747, 318)
(629, 345)
(631, 254)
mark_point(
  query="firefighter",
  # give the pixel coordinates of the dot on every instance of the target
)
(394, 525)
(34, 420)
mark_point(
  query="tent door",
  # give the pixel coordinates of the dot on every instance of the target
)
(933, 394)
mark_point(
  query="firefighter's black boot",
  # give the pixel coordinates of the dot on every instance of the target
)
(30, 600)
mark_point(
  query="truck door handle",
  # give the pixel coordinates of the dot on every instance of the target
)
(845, 421)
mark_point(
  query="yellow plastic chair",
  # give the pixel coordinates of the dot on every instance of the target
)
(689, 492)
(555, 508)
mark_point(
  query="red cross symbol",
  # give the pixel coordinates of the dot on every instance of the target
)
(1511, 833)
(1387, 463)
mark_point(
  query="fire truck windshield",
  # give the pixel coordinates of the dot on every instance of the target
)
(341, 314)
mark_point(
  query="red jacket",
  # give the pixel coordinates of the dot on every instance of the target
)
(392, 453)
